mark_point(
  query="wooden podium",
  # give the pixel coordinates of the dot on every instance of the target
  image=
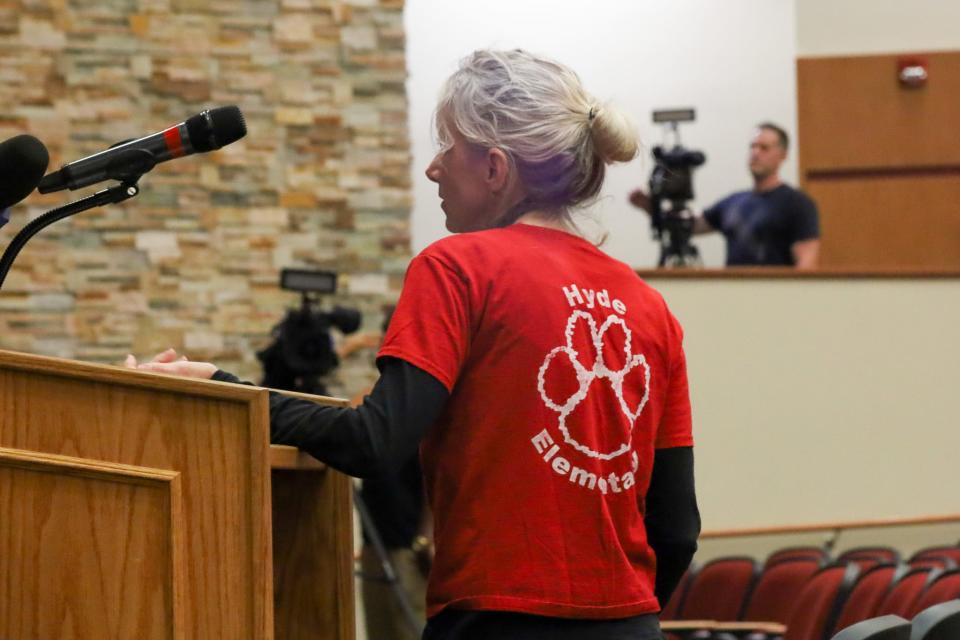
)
(141, 506)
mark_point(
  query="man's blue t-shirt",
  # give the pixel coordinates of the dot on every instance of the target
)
(761, 227)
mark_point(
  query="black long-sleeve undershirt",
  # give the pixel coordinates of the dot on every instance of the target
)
(375, 438)
(384, 432)
(671, 517)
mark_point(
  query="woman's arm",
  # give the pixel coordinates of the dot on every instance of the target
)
(378, 436)
(671, 517)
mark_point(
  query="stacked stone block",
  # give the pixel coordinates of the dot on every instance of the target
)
(321, 180)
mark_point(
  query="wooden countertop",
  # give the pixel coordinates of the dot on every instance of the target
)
(284, 457)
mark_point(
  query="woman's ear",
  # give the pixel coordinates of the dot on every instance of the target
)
(498, 170)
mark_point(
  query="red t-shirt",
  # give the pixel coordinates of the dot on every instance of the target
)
(565, 372)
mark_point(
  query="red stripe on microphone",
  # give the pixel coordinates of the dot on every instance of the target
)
(174, 143)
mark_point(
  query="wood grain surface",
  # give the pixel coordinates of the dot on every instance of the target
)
(882, 160)
(85, 545)
(213, 437)
(137, 505)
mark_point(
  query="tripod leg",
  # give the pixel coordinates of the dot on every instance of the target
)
(390, 576)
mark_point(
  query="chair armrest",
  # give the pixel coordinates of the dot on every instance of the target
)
(688, 629)
(772, 628)
(681, 626)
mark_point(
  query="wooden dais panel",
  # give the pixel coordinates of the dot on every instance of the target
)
(88, 548)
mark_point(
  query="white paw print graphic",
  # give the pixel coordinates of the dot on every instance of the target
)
(598, 370)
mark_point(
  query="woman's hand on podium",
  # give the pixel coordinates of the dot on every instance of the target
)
(171, 363)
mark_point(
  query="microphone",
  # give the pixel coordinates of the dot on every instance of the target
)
(23, 160)
(206, 131)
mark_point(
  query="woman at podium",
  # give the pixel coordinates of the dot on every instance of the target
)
(543, 382)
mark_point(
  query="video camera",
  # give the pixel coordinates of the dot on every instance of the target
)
(303, 350)
(671, 188)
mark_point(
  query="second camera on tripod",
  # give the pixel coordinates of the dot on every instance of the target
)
(303, 350)
(671, 188)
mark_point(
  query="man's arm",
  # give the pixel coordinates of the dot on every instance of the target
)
(701, 224)
(641, 200)
(806, 232)
(806, 253)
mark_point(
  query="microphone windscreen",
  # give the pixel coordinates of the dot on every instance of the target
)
(23, 161)
(216, 128)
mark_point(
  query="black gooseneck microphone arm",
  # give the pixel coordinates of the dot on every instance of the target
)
(112, 195)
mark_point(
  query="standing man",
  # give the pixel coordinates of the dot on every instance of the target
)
(772, 224)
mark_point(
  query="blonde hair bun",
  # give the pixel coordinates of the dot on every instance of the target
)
(615, 137)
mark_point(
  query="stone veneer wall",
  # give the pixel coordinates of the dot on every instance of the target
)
(321, 181)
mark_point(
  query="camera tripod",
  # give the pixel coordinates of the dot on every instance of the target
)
(389, 574)
(674, 232)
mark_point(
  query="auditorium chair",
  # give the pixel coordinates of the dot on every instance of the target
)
(867, 557)
(944, 563)
(673, 606)
(865, 596)
(777, 588)
(817, 607)
(719, 589)
(773, 596)
(938, 552)
(790, 553)
(942, 588)
(812, 615)
(884, 628)
(903, 596)
(939, 622)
